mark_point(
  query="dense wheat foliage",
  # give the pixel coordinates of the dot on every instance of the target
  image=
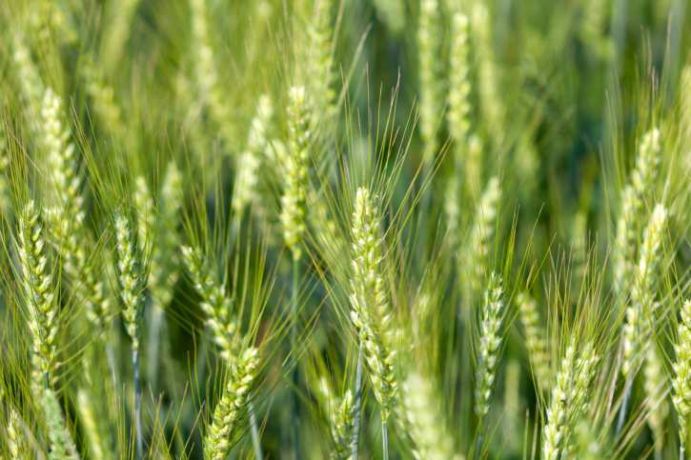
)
(348, 229)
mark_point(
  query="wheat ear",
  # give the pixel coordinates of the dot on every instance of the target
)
(217, 440)
(681, 382)
(490, 340)
(62, 445)
(132, 283)
(40, 294)
(370, 312)
(534, 340)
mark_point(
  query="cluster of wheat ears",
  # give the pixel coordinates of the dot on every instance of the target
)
(429, 229)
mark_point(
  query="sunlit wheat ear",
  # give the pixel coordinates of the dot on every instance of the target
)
(231, 406)
(490, 340)
(130, 277)
(295, 187)
(118, 29)
(29, 80)
(66, 218)
(568, 400)
(16, 445)
(62, 445)
(631, 218)
(102, 97)
(491, 103)
(474, 167)
(215, 304)
(40, 295)
(639, 313)
(90, 426)
(371, 313)
(144, 206)
(430, 66)
(61, 157)
(164, 266)
(245, 192)
(535, 340)
(681, 383)
(425, 420)
(5, 197)
(655, 385)
(458, 116)
(320, 65)
(341, 420)
(132, 282)
(205, 69)
(475, 256)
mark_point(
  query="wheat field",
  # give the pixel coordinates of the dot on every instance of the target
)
(347, 229)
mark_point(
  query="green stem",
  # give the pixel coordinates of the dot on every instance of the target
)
(293, 348)
(356, 406)
(256, 441)
(137, 405)
(385, 439)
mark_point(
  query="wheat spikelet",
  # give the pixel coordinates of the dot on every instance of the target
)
(424, 420)
(62, 445)
(639, 312)
(341, 421)
(490, 340)
(66, 219)
(163, 269)
(102, 96)
(60, 154)
(320, 65)
(132, 283)
(429, 43)
(534, 340)
(144, 207)
(215, 304)
(458, 116)
(655, 390)
(5, 198)
(681, 383)
(631, 217)
(206, 71)
(130, 277)
(293, 200)
(90, 426)
(118, 31)
(29, 80)
(370, 312)
(488, 79)
(39, 292)
(231, 405)
(476, 252)
(568, 400)
(245, 190)
(14, 438)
